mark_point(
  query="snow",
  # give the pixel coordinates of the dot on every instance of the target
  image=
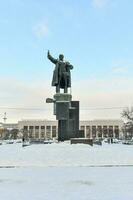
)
(66, 172)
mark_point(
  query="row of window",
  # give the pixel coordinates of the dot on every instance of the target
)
(45, 131)
(81, 127)
(89, 131)
(101, 131)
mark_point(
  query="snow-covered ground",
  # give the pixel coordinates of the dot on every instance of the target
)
(66, 172)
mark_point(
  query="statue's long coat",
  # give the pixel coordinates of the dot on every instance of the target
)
(57, 76)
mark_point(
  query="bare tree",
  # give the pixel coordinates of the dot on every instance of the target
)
(127, 114)
(14, 133)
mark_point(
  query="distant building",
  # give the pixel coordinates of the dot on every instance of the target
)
(39, 129)
(45, 129)
(1, 130)
(6, 127)
(10, 126)
(102, 128)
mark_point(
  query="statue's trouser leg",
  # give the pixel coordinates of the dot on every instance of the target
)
(65, 88)
(57, 89)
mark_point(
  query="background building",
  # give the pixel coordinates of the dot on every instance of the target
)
(39, 129)
(45, 129)
(9, 130)
(102, 128)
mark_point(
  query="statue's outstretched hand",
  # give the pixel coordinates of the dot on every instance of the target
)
(48, 53)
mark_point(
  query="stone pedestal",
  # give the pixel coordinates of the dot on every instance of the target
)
(61, 103)
(62, 97)
(82, 141)
(67, 114)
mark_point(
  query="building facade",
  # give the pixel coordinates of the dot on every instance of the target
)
(39, 129)
(45, 129)
(102, 128)
(6, 127)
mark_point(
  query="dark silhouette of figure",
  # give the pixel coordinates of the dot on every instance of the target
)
(61, 75)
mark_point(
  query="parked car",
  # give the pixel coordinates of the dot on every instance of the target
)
(25, 143)
(116, 141)
(128, 142)
(48, 141)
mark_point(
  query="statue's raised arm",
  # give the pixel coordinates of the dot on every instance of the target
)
(53, 60)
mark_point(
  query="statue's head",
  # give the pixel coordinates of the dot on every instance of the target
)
(61, 57)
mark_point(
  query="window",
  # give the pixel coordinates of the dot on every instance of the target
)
(82, 127)
(42, 131)
(53, 131)
(36, 135)
(99, 131)
(48, 132)
(25, 129)
(36, 132)
(37, 127)
(42, 128)
(93, 131)
(88, 131)
(116, 131)
(110, 131)
(31, 131)
(105, 132)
